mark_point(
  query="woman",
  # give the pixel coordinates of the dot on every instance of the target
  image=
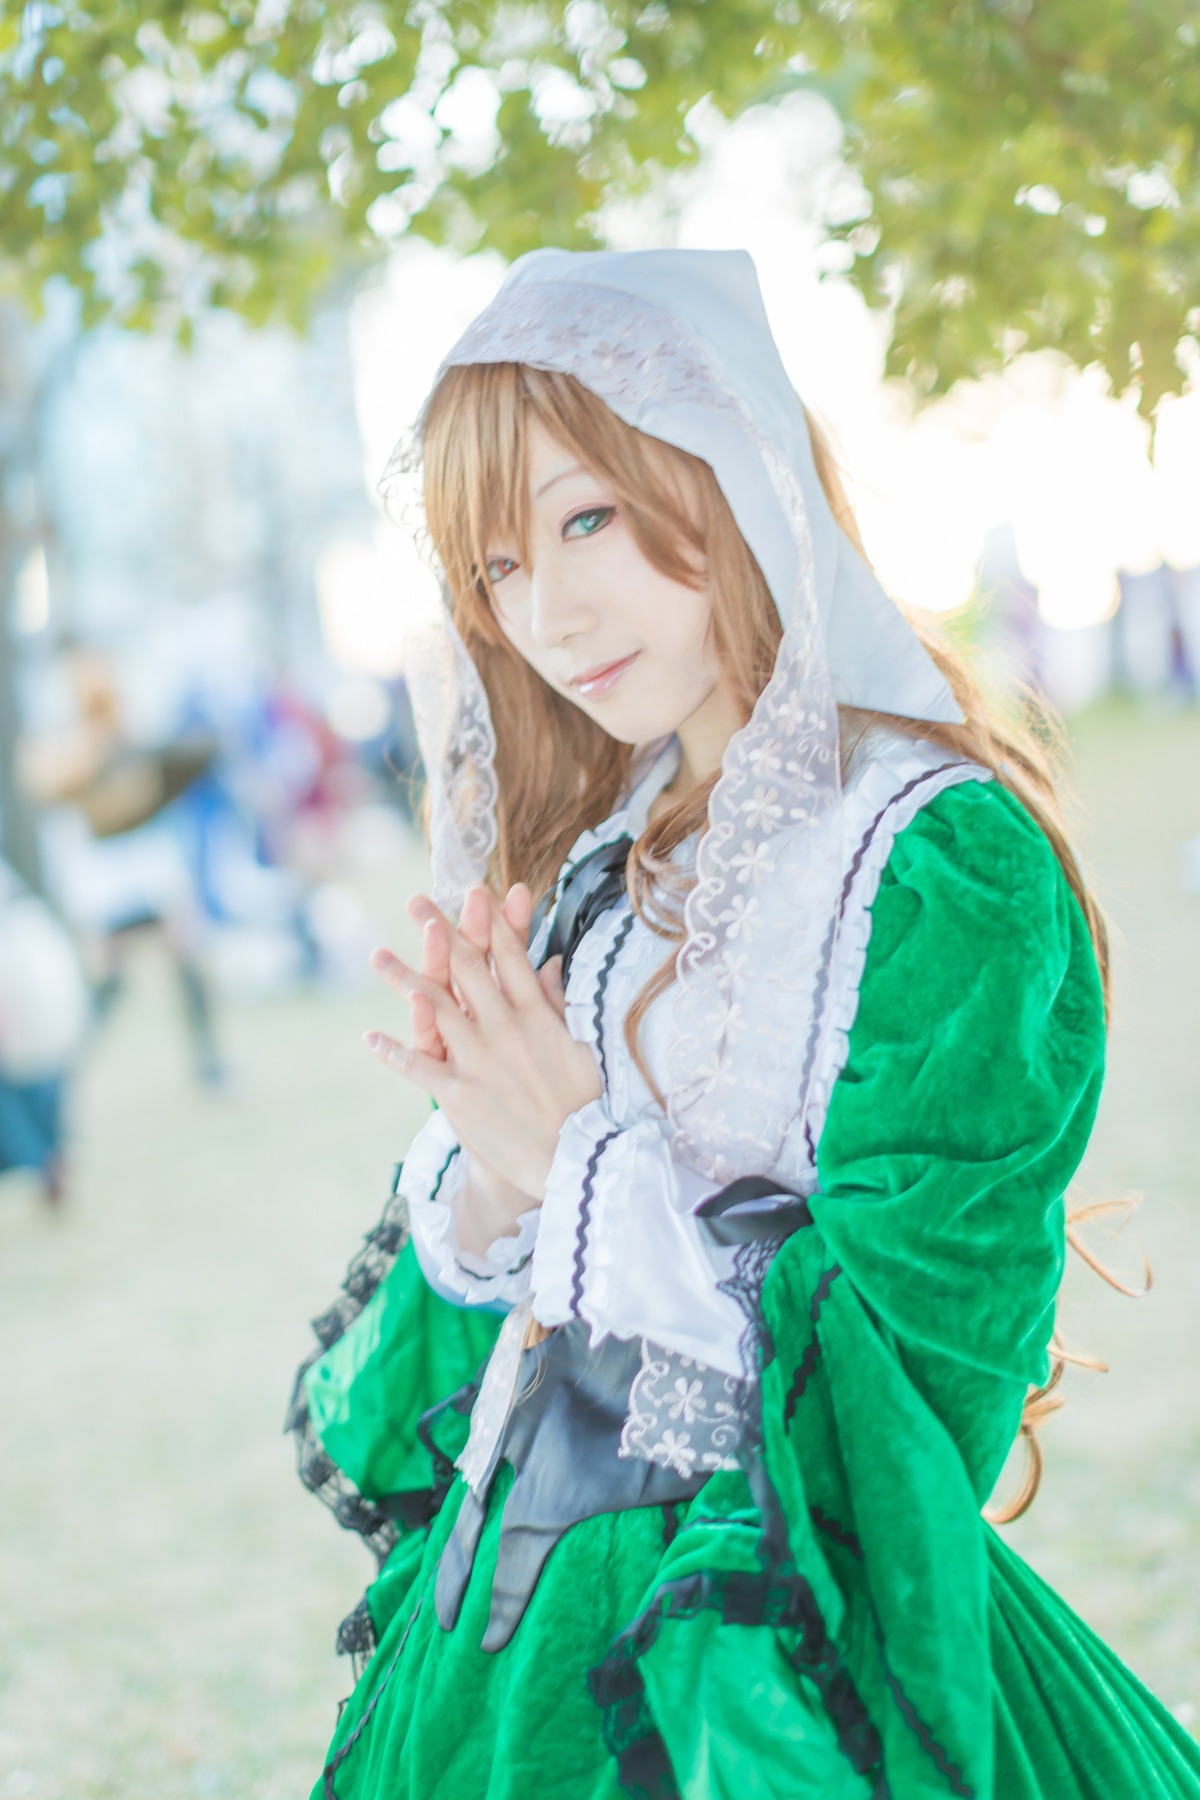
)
(43, 1021)
(714, 1293)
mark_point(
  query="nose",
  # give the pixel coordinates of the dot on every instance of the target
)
(559, 608)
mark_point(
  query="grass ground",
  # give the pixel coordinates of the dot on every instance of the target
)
(169, 1592)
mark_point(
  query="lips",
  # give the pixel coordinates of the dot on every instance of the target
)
(602, 676)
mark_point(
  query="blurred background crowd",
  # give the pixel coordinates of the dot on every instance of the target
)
(235, 240)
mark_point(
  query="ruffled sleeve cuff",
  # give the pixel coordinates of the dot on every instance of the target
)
(619, 1244)
(433, 1176)
(563, 1251)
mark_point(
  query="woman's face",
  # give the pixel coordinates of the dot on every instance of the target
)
(601, 625)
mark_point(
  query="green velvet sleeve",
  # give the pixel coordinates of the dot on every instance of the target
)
(974, 1070)
(864, 1606)
(909, 1320)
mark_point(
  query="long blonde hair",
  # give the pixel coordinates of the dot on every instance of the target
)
(557, 770)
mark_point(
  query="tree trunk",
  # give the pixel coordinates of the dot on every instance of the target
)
(18, 825)
(30, 360)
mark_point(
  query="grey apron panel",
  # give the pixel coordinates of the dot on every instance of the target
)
(562, 1439)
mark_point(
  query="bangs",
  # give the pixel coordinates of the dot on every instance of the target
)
(475, 445)
(474, 456)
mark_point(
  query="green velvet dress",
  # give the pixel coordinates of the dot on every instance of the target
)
(837, 1622)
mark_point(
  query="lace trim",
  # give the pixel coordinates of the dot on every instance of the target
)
(356, 1638)
(371, 1265)
(329, 1792)
(745, 1285)
(777, 1600)
(322, 1477)
(768, 863)
(316, 1469)
(895, 811)
(731, 1434)
(458, 751)
(949, 1771)
(837, 1532)
(705, 1401)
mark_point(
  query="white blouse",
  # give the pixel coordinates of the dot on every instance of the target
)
(616, 1241)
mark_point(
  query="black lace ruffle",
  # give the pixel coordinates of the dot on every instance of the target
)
(777, 1599)
(319, 1473)
(757, 1215)
(375, 1523)
(356, 1637)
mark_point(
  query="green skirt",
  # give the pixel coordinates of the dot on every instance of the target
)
(664, 1655)
(435, 1716)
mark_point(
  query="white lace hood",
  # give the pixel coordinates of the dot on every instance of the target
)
(677, 344)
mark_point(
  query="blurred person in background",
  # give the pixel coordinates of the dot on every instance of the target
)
(262, 827)
(44, 1013)
(114, 863)
(673, 1386)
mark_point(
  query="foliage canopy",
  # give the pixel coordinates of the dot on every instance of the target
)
(1030, 171)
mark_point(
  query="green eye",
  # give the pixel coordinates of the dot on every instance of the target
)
(588, 523)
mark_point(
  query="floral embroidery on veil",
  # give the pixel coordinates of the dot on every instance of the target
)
(761, 916)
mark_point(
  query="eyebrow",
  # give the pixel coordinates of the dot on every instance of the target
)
(575, 469)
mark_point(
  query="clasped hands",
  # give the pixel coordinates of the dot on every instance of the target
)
(491, 1046)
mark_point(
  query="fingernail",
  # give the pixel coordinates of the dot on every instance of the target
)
(372, 1039)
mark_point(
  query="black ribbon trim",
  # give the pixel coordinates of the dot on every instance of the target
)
(839, 1533)
(461, 1400)
(753, 1209)
(594, 883)
(606, 969)
(924, 1736)
(331, 1768)
(808, 1362)
(575, 1300)
(774, 1599)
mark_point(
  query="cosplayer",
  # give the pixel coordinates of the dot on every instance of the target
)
(673, 1385)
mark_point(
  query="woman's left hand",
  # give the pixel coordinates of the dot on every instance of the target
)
(512, 1072)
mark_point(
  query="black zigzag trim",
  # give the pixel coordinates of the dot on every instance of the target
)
(606, 967)
(808, 1361)
(331, 1768)
(839, 1533)
(441, 1174)
(925, 1737)
(585, 1213)
(856, 861)
(855, 864)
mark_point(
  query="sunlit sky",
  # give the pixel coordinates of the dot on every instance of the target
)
(1044, 447)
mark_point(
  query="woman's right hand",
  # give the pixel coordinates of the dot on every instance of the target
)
(488, 1206)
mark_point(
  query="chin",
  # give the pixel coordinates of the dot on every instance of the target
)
(644, 713)
(636, 725)
(618, 733)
